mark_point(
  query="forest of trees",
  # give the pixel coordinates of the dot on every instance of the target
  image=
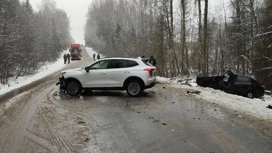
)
(185, 36)
(28, 39)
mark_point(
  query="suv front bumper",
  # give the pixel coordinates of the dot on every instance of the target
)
(62, 84)
(61, 80)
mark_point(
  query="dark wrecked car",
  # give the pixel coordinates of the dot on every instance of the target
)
(234, 84)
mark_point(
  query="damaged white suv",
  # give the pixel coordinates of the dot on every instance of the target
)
(131, 74)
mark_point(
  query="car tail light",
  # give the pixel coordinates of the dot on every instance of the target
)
(150, 71)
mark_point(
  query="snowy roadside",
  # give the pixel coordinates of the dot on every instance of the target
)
(254, 107)
(90, 52)
(47, 69)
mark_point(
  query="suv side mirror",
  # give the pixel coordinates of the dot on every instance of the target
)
(87, 69)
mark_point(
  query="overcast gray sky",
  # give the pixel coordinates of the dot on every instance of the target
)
(77, 11)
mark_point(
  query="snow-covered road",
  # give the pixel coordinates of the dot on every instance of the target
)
(255, 107)
(165, 119)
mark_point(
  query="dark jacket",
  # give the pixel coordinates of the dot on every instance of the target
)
(152, 60)
(68, 56)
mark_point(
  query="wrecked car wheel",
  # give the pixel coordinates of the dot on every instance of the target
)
(73, 87)
(250, 94)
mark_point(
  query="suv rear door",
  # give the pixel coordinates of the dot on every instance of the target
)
(118, 71)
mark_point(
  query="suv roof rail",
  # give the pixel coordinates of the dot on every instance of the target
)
(113, 57)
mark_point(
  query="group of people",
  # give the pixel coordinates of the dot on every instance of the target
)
(66, 58)
(97, 57)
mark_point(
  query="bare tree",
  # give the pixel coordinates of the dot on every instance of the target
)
(235, 40)
(184, 50)
(205, 39)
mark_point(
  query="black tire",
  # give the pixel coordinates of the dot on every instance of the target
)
(134, 88)
(73, 87)
(250, 94)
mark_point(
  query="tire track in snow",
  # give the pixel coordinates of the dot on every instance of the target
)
(12, 140)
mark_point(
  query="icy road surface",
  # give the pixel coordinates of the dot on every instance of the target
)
(164, 119)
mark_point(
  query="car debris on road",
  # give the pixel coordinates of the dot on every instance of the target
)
(193, 92)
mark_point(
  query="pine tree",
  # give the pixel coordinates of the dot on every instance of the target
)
(56, 46)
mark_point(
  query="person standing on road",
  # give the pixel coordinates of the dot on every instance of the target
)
(94, 56)
(68, 58)
(65, 58)
(98, 57)
(152, 61)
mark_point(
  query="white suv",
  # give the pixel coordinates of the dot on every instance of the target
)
(130, 74)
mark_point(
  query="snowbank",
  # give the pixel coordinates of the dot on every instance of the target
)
(90, 52)
(177, 81)
(255, 107)
(47, 69)
(163, 80)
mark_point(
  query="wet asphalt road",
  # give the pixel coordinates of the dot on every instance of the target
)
(164, 119)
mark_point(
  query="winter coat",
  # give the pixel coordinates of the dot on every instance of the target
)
(152, 60)
(98, 56)
(68, 56)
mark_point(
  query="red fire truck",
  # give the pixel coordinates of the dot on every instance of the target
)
(75, 52)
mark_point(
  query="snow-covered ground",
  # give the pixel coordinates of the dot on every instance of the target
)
(47, 69)
(255, 107)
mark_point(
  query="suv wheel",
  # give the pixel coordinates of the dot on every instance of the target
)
(250, 94)
(134, 88)
(73, 88)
